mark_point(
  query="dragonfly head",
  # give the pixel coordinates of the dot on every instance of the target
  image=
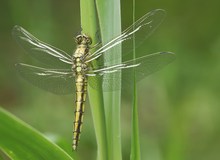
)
(83, 39)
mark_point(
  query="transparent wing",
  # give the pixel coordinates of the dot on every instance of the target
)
(58, 81)
(143, 67)
(43, 52)
(140, 29)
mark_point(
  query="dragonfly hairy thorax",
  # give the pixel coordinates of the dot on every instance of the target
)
(62, 73)
(79, 56)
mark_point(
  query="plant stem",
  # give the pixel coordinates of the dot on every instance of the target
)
(110, 26)
(135, 142)
(90, 27)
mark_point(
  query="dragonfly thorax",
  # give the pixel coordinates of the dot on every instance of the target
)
(79, 56)
(79, 66)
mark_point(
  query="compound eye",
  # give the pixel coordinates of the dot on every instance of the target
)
(79, 39)
(89, 41)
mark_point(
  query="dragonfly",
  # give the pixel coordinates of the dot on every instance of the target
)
(65, 74)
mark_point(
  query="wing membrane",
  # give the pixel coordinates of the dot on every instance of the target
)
(43, 52)
(140, 29)
(143, 67)
(58, 81)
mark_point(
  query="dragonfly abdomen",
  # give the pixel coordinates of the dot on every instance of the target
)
(81, 87)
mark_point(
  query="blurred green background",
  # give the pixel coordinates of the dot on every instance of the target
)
(179, 105)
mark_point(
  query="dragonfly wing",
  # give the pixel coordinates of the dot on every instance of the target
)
(140, 30)
(41, 51)
(142, 66)
(58, 81)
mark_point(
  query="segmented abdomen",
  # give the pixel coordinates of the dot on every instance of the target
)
(81, 87)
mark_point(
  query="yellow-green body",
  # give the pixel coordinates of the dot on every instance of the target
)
(81, 89)
(80, 68)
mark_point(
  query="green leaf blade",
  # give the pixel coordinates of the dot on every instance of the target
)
(109, 14)
(20, 141)
(90, 27)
